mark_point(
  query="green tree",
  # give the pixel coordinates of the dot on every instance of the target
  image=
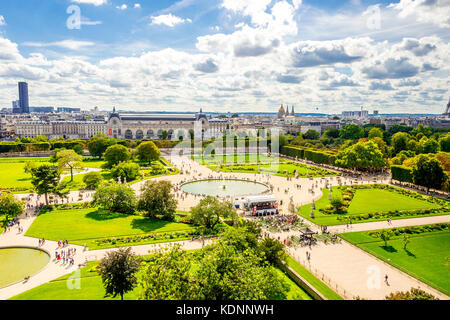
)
(428, 172)
(428, 145)
(406, 240)
(337, 203)
(128, 170)
(332, 133)
(363, 155)
(271, 250)
(40, 138)
(116, 198)
(118, 272)
(156, 198)
(29, 165)
(164, 134)
(68, 159)
(385, 235)
(115, 154)
(45, 179)
(209, 211)
(92, 180)
(400, 141)
(10, 206)
(98, 144)
(148, 152)
(351, 132)
(375, 132)
(444, 142)
(311, 135)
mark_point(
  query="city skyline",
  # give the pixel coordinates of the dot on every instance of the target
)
(239, 56)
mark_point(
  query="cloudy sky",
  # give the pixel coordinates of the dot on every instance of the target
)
(228, 55)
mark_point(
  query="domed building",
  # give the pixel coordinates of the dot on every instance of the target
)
(281, 112)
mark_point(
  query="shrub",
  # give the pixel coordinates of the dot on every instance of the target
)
(128, 170)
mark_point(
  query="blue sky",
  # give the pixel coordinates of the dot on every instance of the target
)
(232, 55)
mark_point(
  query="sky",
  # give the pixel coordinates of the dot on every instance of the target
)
(228, 55)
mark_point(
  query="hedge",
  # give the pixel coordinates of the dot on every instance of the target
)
(317, 156)
(6, 147)
(401, 173)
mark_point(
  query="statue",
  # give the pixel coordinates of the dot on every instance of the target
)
(119, 181)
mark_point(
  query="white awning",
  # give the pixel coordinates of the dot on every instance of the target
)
(264, 198)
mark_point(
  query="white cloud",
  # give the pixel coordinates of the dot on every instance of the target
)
(122, 7)
(137, 5)
(94, 2)
(8, 50)
(2, 21)
(168, 20)
(431, 11)
(66, 44)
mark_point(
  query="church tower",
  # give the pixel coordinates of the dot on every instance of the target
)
(281, 112)
(292, 111)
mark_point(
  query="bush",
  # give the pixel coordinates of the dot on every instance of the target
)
(117, 198)
(128, 170)
(92, 180)
(401, 173)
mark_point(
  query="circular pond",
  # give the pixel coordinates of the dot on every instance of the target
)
(18, 263)
(224, 188)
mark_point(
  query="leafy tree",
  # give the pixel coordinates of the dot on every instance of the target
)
(10, 206)
(311, 135)
(428, 172)
(385, 235)
(413, 294)
(425, 130)
(45, 179)
(375, 132)
(98, 144)
(382, 145)
(363, 155)
(400, 141)
(28, 166)
(118, 272)
(444, 143)
(92, 180)
(444, 159)
(406, 240)
(128, 170)
(40, 138)
(399, 128)
(116, 154)
(332, 133)
(68, 159)
(271, 250)
(148, 152)
(156, 199)
(164, 134)
(428, 145)
(209, 211)
(336, 202)
(351, 132)
(412, 145)
(116, 198)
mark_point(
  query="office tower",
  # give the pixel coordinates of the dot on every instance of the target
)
(23, 97)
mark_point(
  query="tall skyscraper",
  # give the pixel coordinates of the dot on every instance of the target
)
(23, 97)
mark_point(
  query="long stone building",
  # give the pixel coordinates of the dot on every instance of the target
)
(128, 126)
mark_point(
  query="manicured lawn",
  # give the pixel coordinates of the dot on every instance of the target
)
(13, 176)
(295, 292)
(313, 281)
(367, 201)
(278, 169)
(81, 226)
(427, 256)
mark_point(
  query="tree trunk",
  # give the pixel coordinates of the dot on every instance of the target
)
(46, 198)
(71, 174)
(121, 296)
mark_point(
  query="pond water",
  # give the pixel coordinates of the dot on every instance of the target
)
(18, 263)
(224, 188)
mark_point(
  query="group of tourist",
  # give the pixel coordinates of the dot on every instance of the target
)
(66, 256)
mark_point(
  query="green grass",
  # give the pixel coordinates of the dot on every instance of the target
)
(13, 176)
(312, 280)
(295, 292)
(367, 201)
(81, 226)
(427, 256)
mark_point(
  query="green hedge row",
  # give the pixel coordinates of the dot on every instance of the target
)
(37, 146)
(401, 173)
(316, 156)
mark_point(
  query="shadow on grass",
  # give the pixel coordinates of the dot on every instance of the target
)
(409, 253)
(390, 249)
(148, 224)
(103, 215)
